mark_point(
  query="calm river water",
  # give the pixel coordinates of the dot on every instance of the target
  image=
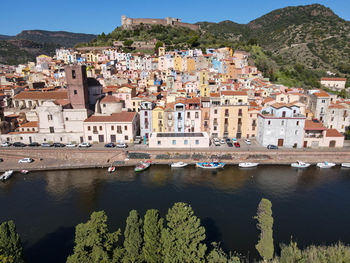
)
(311, 205)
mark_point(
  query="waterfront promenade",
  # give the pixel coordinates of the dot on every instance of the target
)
(63, 158)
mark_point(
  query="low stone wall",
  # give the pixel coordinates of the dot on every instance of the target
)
(86, 158)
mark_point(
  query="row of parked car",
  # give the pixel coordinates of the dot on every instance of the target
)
(230, 142)
(56, 144)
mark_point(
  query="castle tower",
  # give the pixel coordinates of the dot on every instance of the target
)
(78, 94)
(124, 21)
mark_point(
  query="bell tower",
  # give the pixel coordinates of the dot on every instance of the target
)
(78, 93)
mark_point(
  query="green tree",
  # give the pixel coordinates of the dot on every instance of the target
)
(133, 238)
(128, 43)
(217, 255)
(183, 238)
(94, 243)
(158, 45)
(290, 253)
(265, 223)
(10, 243)
(152, 230)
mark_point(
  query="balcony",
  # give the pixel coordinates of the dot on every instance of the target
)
(317, 136)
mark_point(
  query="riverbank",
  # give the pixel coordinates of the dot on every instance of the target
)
(56, 159)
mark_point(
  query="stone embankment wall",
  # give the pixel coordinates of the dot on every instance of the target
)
(86, 158)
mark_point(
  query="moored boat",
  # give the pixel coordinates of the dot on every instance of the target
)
(6, 175)
(248, 165)
(111, 169)
(210, 165)
(24, 171)
(300, 164)
(325, 165)
(142, 166)
(178, 165)
(347, 165)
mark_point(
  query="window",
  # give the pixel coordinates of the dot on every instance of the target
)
(197, 141)
(215, 111)
(186, 142)
(89, 128)
(159, 143)
(89, 138)
(100, 128)
(73, 74)
(269, 123)
(174, 142)
(146, 113)
(119, 129)
(104, 105)
(296, 132)
(75, 92)
(126, 137)
(49, 117)
(125, 127)
(297, 123)
(112, 128)
(66, 118)
(282, 123)
(52, 129)
(226, 112)
(332, 119)
(323, 101)
(215, 128)
(188, 115)
(33, 129)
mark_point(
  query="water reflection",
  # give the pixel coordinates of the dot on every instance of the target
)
(225, 200)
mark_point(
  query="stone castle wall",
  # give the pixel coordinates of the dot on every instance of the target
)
(129, 23)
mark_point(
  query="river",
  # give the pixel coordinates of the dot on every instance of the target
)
(311, 205)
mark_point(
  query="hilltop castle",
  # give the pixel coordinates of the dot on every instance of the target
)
(129, 23)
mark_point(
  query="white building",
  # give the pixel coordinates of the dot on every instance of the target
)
(281, 125)
(179, 140)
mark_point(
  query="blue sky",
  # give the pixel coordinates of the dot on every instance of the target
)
(96, 16)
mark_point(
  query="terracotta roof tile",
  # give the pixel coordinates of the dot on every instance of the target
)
(314, 125)
(333, 133)
(38, 95)
(114, 117)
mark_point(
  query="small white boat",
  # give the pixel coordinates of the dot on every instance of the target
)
(211, 165)
(24, 171)
(300, 164)
(142, 166)
(111, 169)
(178, 165)
(6, 175)
(347, 165)
(325, 165)
(248, 165)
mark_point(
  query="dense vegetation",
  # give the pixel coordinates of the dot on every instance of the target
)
(29, 44)
(179, 238)
(294, 46)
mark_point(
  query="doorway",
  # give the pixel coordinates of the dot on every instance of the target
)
(280, 142)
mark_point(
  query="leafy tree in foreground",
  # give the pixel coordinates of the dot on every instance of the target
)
(217, 255)
(265, 223)
(10, 243)
(183, 237)
(94, 243)
(152, 230)
(133, 238)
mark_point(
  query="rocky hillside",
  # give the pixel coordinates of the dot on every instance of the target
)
(28, 44)
(311, 35)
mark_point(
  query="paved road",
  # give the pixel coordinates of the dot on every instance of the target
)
(254, 147)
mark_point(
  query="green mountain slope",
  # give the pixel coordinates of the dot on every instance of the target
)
(28, 44)
(61, 38)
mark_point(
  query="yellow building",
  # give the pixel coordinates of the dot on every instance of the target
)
(158, 119)
(191, 65)
(161, 51)
(233, 114)
(178, 63)
(203, 83)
